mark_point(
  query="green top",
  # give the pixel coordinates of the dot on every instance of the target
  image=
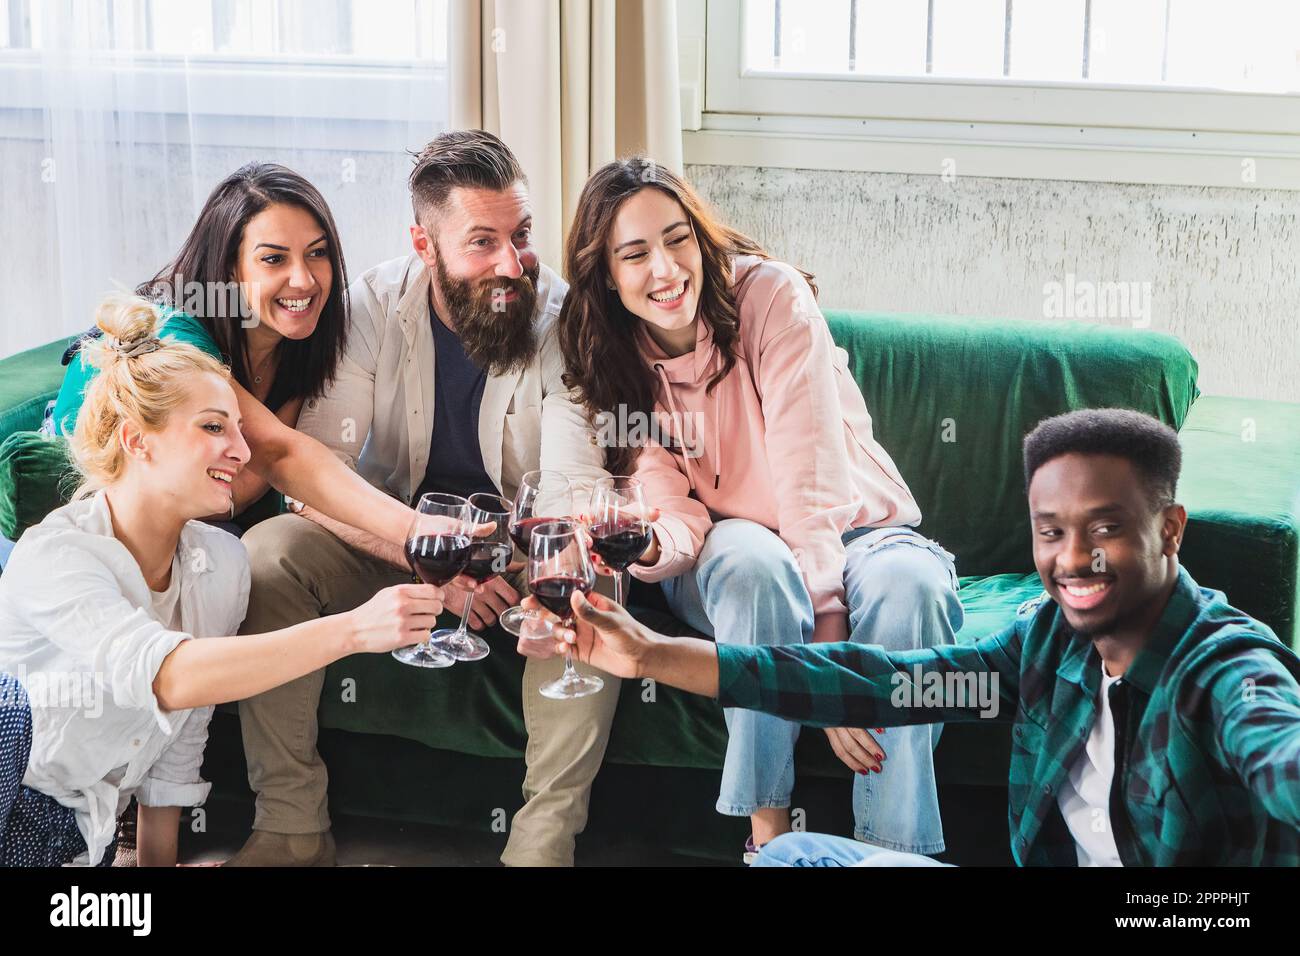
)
(178, 326)
(1207, 723)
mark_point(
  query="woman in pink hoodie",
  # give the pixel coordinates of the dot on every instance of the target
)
(711, 375)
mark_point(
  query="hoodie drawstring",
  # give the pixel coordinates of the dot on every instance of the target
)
(679, 423)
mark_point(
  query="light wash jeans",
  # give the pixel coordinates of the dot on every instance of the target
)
(901, 590)
(821, 849)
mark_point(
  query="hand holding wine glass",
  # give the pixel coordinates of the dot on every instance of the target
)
(619, 524)
(542, 496)
(438, 548)
(558, 566)
(395, 617)
(599, 632)
(489, 556)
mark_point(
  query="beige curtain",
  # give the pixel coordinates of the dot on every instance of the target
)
(569, 85)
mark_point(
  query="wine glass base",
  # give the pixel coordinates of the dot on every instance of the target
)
(463, 647)
(423, 655)
(568, 687)
(512, 619)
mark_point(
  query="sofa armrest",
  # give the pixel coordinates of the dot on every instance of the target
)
(28, 381)
(36, 476)
(1241, 487)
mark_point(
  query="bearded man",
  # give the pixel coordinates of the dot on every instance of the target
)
(450, 378)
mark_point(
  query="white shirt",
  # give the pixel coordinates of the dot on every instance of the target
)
(377, 414)
(79, 629)
(1085, 795)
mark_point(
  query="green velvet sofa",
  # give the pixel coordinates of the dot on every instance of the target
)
(951, 399)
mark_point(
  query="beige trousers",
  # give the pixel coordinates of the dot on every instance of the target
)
(301, 572)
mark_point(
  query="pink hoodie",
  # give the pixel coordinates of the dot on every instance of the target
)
(784, 441)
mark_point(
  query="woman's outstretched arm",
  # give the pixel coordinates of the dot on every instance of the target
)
(198, 673)
(303, 468)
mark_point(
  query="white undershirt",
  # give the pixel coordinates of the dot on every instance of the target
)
(1085, 796)
(167, 604)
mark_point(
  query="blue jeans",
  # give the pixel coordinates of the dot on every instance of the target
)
(820, 849)
(901, 590)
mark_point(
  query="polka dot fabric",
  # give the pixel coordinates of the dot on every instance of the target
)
(35, 830)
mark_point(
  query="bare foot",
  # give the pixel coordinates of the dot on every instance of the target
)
(769, 823)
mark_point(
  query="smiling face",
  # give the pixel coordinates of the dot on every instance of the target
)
(655, 264)
(191, 462)
(484, 272)
(1106, 556)
(284, 268)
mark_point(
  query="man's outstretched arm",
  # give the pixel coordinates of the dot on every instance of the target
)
(824, 685)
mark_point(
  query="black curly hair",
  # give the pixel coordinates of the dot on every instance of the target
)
(1150, 445)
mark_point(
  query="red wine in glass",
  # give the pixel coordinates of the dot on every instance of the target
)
(487, 559)
(620, 542)
(437, 558)
(616, 522)
(558, 566)
(554, 592)
(521, 532)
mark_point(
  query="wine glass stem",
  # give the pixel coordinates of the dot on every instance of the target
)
(464, 616)
(618, 588)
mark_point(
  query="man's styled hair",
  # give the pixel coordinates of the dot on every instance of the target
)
(1150, 445)
(472, 158)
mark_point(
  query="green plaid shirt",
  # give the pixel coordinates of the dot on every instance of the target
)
(1207, 723)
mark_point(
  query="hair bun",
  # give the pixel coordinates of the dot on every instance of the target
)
(129, 324)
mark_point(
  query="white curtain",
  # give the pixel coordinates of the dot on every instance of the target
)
(569, 85)
(117, 117)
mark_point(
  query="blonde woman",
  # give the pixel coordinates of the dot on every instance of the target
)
(105, 692)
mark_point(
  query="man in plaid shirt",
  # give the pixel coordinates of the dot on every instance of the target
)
(1153, 723)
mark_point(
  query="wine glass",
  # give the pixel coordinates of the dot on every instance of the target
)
(437, 548)
(558, 565)
(542, 496)
(489, 555)
(619, 532)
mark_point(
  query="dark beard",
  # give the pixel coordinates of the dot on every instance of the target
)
(497, 335)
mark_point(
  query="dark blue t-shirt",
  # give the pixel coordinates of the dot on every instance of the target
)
(455, 458)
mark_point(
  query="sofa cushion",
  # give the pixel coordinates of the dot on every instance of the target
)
(29, 381)
(36, 476)
(952, 399)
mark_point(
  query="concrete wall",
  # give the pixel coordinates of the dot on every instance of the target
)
(1222, 266)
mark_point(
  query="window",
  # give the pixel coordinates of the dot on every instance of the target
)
(327, 31)
(1247, 45)
(242, 60)
(1204, 92)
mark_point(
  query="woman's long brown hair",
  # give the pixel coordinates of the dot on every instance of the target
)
(597, 333)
